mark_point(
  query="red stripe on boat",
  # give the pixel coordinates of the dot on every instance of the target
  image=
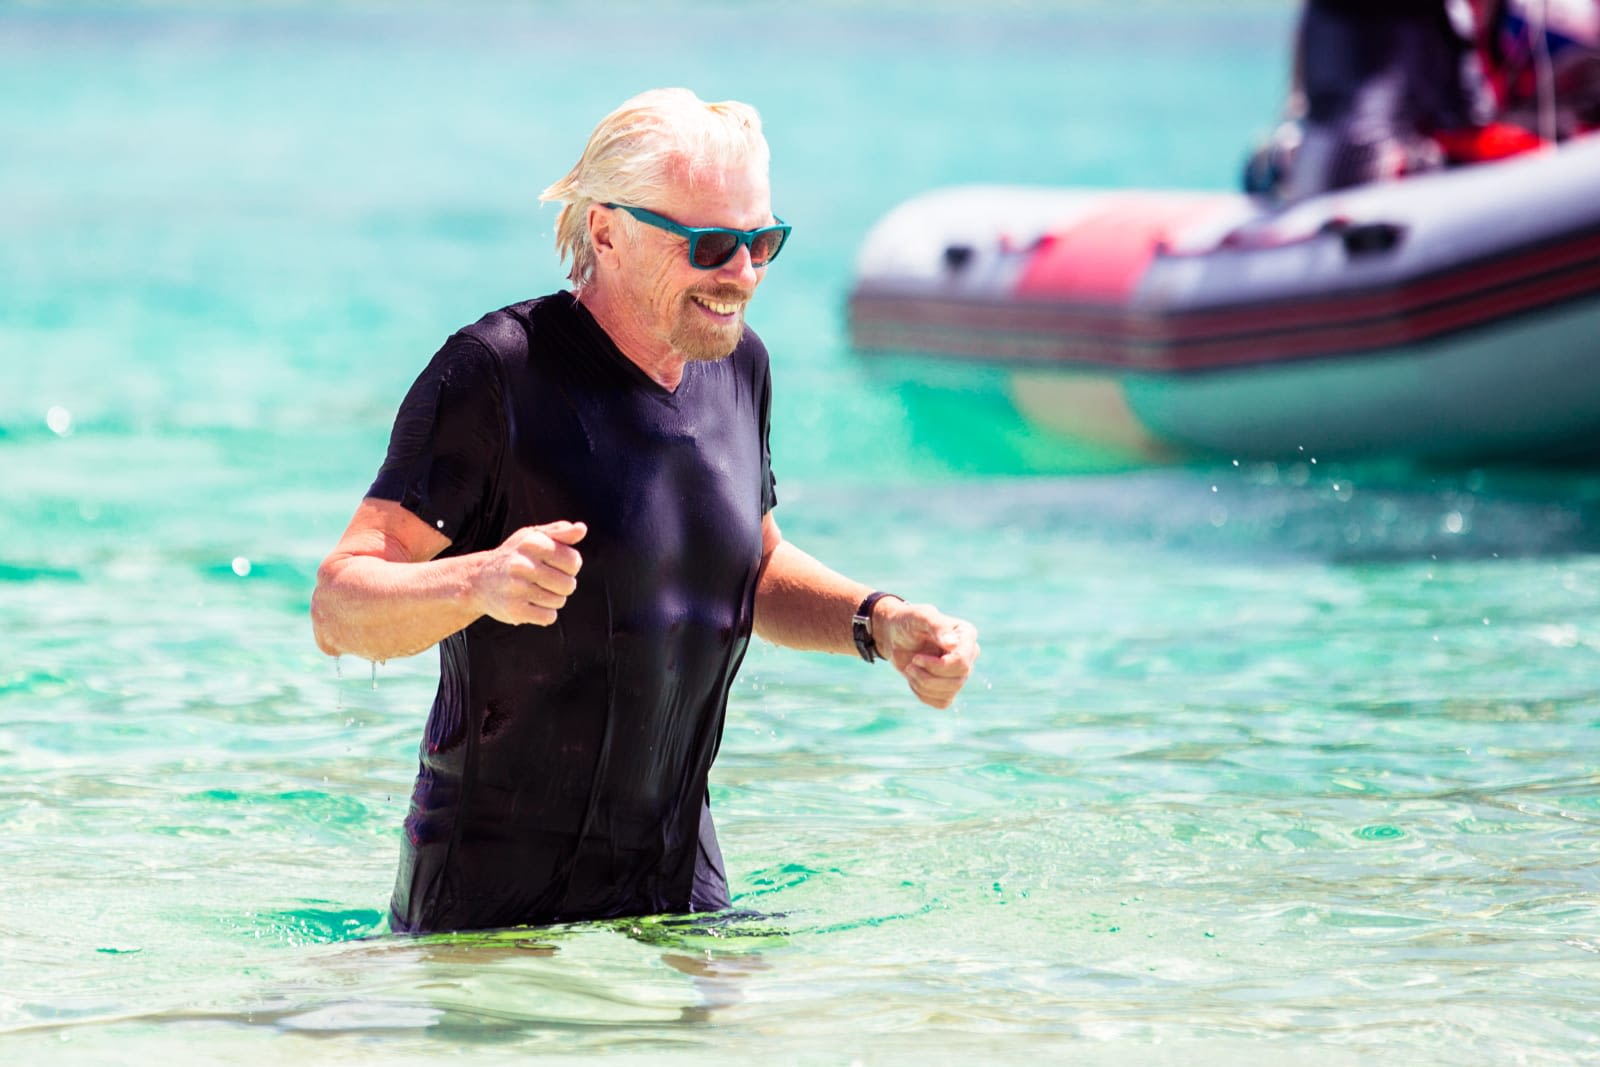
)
(1474, 295)
(1102, 257)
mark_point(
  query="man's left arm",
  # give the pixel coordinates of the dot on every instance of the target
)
(801, 603)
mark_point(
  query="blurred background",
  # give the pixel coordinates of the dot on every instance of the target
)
(216, 211)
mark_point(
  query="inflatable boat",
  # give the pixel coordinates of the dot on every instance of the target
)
(1449, 316)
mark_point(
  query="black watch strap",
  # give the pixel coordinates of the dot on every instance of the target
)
(861, 626)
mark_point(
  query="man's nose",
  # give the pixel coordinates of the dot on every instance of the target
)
(741, 267)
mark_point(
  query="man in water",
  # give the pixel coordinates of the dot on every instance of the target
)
(576, 506)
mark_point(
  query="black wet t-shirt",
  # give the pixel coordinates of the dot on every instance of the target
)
(563, 770)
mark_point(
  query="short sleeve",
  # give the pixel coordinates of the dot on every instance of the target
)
(769, 482)
(448, 441)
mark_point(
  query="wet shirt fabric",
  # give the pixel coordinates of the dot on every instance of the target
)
(563, 769)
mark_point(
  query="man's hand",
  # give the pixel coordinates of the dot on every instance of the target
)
(530, 576)
(933, 650)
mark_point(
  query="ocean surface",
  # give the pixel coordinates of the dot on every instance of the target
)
(1263, 763)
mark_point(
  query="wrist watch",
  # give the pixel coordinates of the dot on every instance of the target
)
(861, 626)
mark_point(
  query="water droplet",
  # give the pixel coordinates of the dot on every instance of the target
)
(59, 419)
(241, 566)
(439, 524)
(1454, 522)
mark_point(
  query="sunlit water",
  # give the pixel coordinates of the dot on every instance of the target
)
(1263, 763)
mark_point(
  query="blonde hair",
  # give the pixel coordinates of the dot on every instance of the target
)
(632, 151)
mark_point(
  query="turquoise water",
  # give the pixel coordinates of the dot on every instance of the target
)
(1261, 764)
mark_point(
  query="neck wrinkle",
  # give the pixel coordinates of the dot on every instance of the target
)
(666, 371)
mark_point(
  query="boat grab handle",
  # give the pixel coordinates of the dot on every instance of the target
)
(1358, 238)
(1370, 238)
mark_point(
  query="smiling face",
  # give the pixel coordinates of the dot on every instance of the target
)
(659, 308)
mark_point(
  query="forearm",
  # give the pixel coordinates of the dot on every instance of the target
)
(803, 604)
(380, 609)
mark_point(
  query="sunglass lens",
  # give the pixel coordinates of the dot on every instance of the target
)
(714, 249)
(765, 246)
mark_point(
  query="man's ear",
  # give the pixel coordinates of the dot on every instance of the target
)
(602, 231)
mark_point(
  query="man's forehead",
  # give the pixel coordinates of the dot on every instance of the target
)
(729, 192)
(715, 177)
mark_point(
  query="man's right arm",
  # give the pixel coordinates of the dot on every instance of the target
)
(382, 593)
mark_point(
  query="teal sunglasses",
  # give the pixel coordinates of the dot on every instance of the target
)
(712, 246)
